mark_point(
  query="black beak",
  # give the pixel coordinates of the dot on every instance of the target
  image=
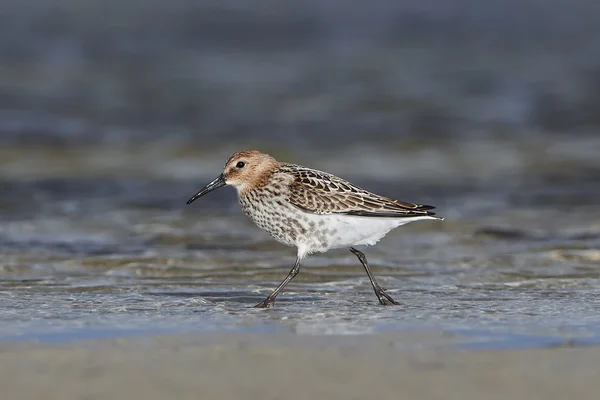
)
(214, 185)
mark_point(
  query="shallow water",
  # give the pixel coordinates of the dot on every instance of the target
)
(87, 258)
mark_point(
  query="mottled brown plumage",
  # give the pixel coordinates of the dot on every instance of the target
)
(322, 193)
(312, 210)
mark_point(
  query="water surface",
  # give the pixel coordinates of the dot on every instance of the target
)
(93, 258)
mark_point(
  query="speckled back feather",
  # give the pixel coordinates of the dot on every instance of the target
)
(322, 193)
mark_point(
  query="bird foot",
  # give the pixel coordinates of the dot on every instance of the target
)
(384, 298)
(266, 303)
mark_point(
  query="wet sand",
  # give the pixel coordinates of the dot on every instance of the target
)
(283, 366)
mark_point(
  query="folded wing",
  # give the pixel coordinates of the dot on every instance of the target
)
(322, 193)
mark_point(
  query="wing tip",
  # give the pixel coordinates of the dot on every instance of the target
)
(428, 213)
(424, 207)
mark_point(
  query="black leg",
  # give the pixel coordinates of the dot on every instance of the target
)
(384, 298)
(270, 300)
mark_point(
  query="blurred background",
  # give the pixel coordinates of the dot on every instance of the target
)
(461, 90)
(113, 113)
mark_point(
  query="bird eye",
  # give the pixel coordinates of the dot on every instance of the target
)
(240, 164)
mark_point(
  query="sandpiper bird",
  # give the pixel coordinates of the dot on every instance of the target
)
(312, 210)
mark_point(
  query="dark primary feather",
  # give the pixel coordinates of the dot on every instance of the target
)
(322, 193)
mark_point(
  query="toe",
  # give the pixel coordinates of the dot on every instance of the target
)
(385, 299)
(266, 303)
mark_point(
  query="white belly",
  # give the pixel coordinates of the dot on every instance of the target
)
(342, 231)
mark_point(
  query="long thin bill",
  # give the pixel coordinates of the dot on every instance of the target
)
(214, 185)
